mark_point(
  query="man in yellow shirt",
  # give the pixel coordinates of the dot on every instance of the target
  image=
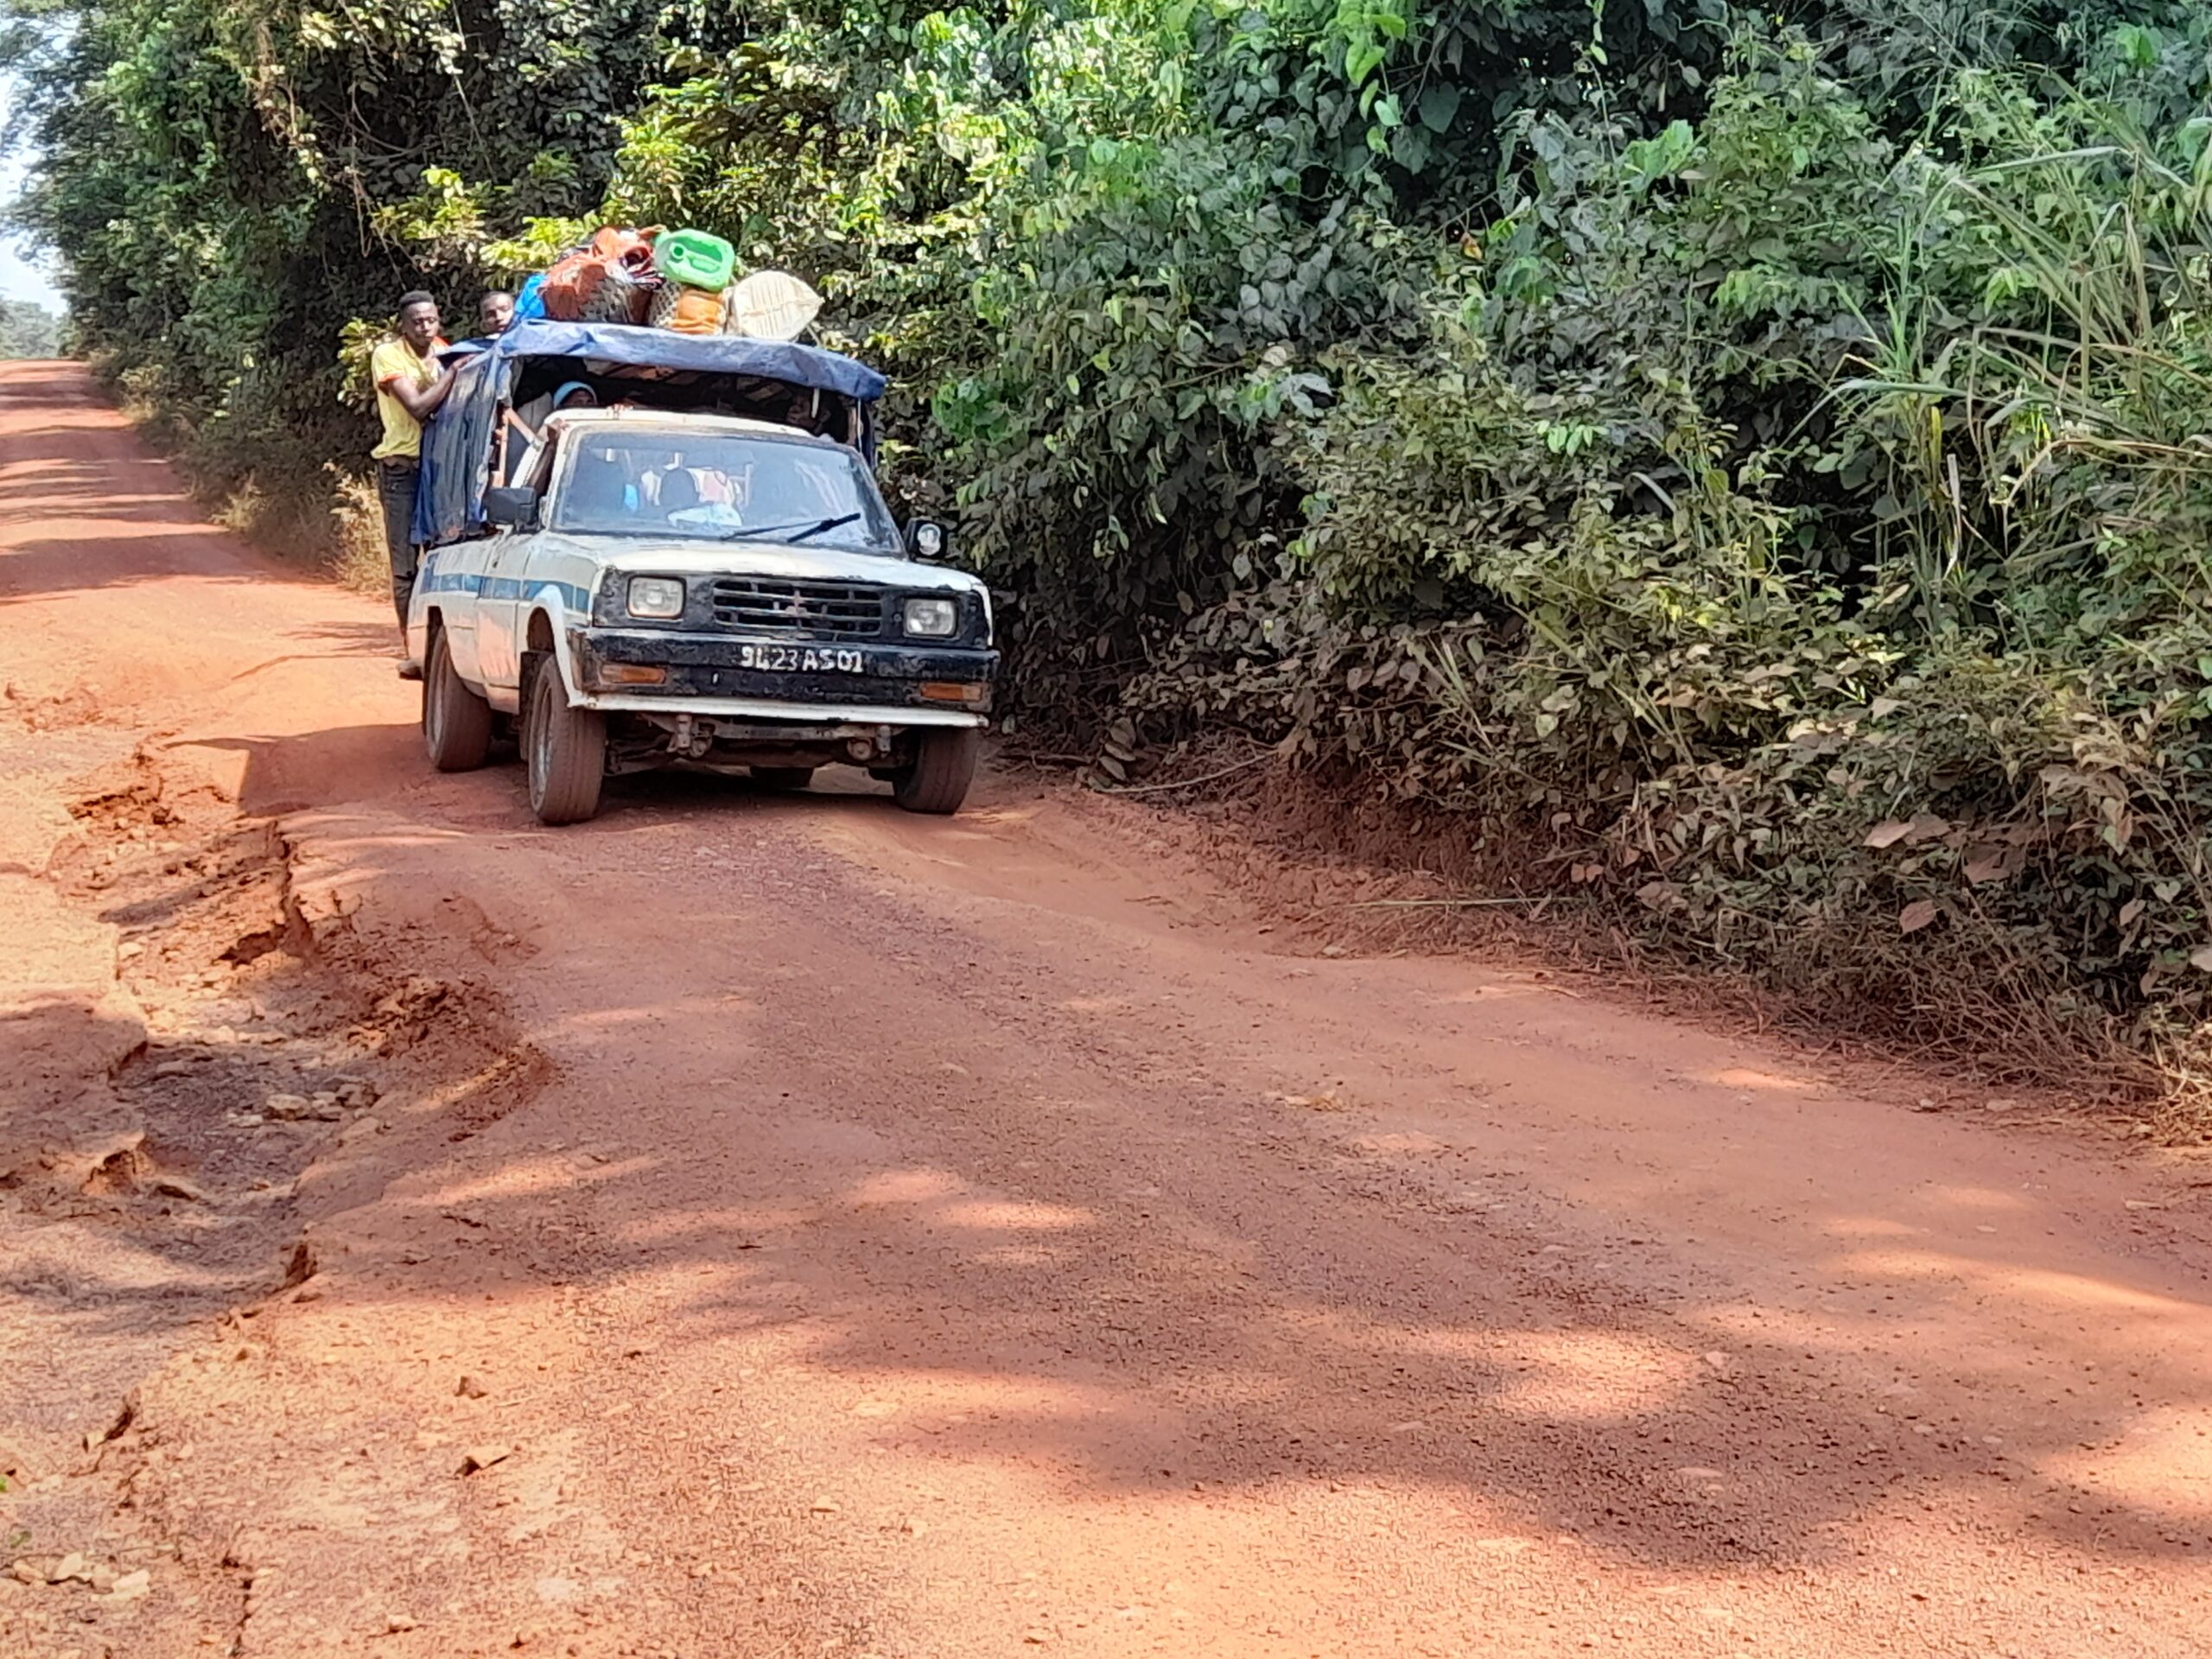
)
(409, 387)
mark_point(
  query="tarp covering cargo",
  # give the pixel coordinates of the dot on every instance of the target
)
(805, 385)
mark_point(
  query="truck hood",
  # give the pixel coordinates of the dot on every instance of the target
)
(686, 556)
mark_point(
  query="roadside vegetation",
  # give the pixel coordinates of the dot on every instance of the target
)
(29, 330)
(1755, 466)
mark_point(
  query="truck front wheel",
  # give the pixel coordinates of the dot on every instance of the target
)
(564, 750)
(456, 722)
(944, 766)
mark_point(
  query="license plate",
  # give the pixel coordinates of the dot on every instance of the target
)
(800, 660)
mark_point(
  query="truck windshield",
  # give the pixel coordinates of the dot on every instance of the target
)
(721, 487)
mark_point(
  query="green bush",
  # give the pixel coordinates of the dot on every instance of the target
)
(1800, 530)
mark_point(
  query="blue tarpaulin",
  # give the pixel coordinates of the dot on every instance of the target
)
(457, 441)
(456, 456)
(659, 348)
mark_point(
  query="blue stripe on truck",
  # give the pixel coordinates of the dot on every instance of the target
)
(434, 580)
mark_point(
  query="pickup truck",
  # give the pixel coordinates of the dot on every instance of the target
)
(640, 586)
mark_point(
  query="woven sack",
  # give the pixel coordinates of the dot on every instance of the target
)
(621, 297)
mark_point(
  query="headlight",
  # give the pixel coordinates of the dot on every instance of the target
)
(932, 619)
(661, 596)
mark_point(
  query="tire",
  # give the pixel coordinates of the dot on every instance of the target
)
(945, 764)
(783, 777)
(456, 722)
(564, 752)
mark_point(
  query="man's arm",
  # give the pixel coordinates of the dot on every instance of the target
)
(421, 401)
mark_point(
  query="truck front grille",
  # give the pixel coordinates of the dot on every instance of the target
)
(819, 610)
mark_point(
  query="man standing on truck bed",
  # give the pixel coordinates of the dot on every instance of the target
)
(409, 387)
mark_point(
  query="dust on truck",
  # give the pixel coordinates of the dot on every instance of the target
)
(700, 572)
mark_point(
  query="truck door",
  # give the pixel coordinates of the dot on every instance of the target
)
(450, 577)
(504, 555)
(499, 600)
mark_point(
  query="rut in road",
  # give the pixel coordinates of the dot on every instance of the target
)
(857, 1235)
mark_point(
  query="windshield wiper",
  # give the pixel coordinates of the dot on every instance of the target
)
(802, 530)
(817, 528)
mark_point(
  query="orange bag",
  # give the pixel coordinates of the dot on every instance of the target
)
(631, 249)
(572, 284)
(688, 310)
(571, 292)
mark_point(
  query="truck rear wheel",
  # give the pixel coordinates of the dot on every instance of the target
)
(456, 722)
(945, 764)
(564, 750)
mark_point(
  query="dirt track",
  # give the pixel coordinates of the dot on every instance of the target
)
(867, 1234)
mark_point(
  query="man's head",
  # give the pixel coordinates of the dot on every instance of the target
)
(679, 491)
(576, 395)
(418, 320)
(600, 484)
(495, 311)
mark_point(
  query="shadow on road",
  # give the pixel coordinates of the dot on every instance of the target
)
(339, 765)
(952, 1165)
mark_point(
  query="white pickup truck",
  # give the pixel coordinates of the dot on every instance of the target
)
(651, 588)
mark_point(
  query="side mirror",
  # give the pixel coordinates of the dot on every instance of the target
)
(926, 541)
(510, 508)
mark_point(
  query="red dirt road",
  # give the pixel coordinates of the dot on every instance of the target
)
(869, 1234)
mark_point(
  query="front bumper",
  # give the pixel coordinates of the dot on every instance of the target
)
(763, 678)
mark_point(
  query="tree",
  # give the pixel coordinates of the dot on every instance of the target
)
(28, 329)
(230, 186)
